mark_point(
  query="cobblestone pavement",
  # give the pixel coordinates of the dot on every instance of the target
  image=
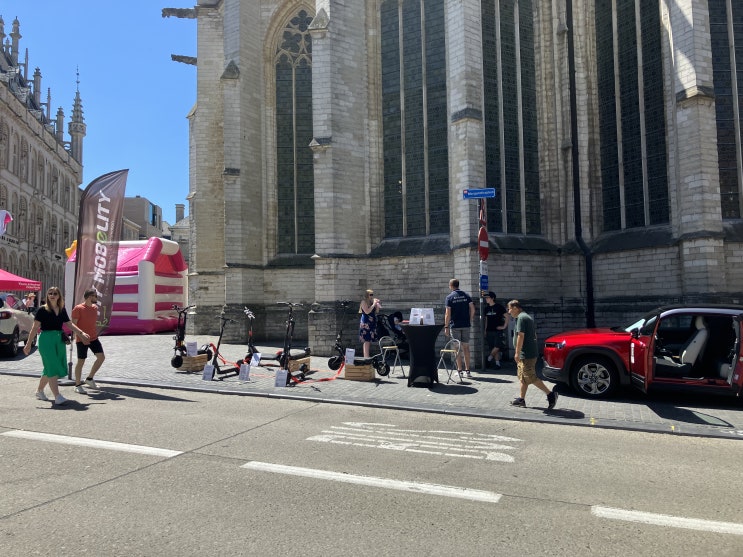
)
(144, 360)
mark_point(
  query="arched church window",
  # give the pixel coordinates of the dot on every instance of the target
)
(15, 155)
(415, 127)
(726, 31)
(631, 100)
(510, 116)
(4, 144)
(295, 175)
(24, 161)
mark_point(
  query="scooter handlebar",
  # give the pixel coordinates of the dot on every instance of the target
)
(290, 304)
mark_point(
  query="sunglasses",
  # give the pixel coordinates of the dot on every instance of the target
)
(53, 294)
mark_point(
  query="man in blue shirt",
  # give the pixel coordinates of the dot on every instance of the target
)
(457, 322)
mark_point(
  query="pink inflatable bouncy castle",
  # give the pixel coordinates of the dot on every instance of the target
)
(150, 279)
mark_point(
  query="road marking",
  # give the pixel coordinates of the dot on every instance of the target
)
(668, 520)
(414, 487)
(93, 443)
(458, 444)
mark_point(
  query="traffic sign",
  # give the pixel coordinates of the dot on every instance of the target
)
(478, 193)
(484, 282)
(483, 244)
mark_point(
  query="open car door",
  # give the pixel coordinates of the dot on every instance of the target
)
(641, 354)
(735, 373)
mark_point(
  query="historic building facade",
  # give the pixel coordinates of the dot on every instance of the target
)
(40, 171)
(331, 143)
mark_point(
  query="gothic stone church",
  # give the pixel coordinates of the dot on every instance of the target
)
(331, 143)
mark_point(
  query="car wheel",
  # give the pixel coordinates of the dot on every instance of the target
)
(594, 376)
(12, 348)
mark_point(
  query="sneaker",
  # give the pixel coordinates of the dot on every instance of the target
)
(90, 383)
(520, 402)
(79, 389)
(497, 364)
(59, 399)
(551, 400)
(40, 395)
(467, 374)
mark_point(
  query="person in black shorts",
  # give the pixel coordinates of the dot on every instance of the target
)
(85, 316)
(496, 323)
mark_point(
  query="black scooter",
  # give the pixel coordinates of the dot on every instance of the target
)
(285, 355)
(335, 362)
(217, 370)
(179, 350)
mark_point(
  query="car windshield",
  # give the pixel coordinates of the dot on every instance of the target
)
(634, 325)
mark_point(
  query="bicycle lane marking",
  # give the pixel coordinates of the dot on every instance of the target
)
(456, 444)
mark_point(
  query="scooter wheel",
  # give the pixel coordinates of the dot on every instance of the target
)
(335, 362)
(176, 361)
(384, 371)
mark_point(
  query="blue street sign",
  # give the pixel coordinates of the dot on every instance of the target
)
(483, 282)
(478, 193)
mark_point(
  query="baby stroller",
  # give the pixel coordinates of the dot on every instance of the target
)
(391, 326)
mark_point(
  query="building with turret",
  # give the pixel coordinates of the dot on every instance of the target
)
(332, 142)
(40, 168)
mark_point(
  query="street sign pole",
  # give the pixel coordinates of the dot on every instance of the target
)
(483, 243)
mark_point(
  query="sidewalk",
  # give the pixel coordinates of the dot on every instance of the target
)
(144, 360)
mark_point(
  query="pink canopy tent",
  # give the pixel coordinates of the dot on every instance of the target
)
(9, 281)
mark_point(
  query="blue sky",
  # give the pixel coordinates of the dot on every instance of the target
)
(135, 99)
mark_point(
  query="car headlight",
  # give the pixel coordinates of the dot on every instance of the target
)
(559, 345)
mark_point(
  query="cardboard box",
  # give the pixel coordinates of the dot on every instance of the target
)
(295, 365)
(358, 373)
(194, 363)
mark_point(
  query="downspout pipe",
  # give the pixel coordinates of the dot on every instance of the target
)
(587, 255)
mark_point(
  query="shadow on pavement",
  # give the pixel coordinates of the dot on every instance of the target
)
(115, 393)
(686, 415)
(495, 379)
(456, 389)
(673, 406)
(564, 413)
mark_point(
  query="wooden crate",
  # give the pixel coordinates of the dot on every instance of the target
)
(194, 363)
(294, 365)
(358, 373)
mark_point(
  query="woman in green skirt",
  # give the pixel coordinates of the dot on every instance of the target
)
(49, 319)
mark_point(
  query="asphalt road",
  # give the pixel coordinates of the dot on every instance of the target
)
(198, 472)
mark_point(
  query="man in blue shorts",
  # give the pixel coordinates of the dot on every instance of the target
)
(457, 322)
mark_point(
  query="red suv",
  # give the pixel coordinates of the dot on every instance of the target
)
(695, 348)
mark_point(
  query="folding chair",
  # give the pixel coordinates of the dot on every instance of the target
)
(388, 347)
(448, 359)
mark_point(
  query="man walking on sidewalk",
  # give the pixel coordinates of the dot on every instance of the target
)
(85, 316)
(526, 352)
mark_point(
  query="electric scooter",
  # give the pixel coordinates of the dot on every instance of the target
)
(179, 350)
(217, 370)
(285, 355)
(335, 362)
